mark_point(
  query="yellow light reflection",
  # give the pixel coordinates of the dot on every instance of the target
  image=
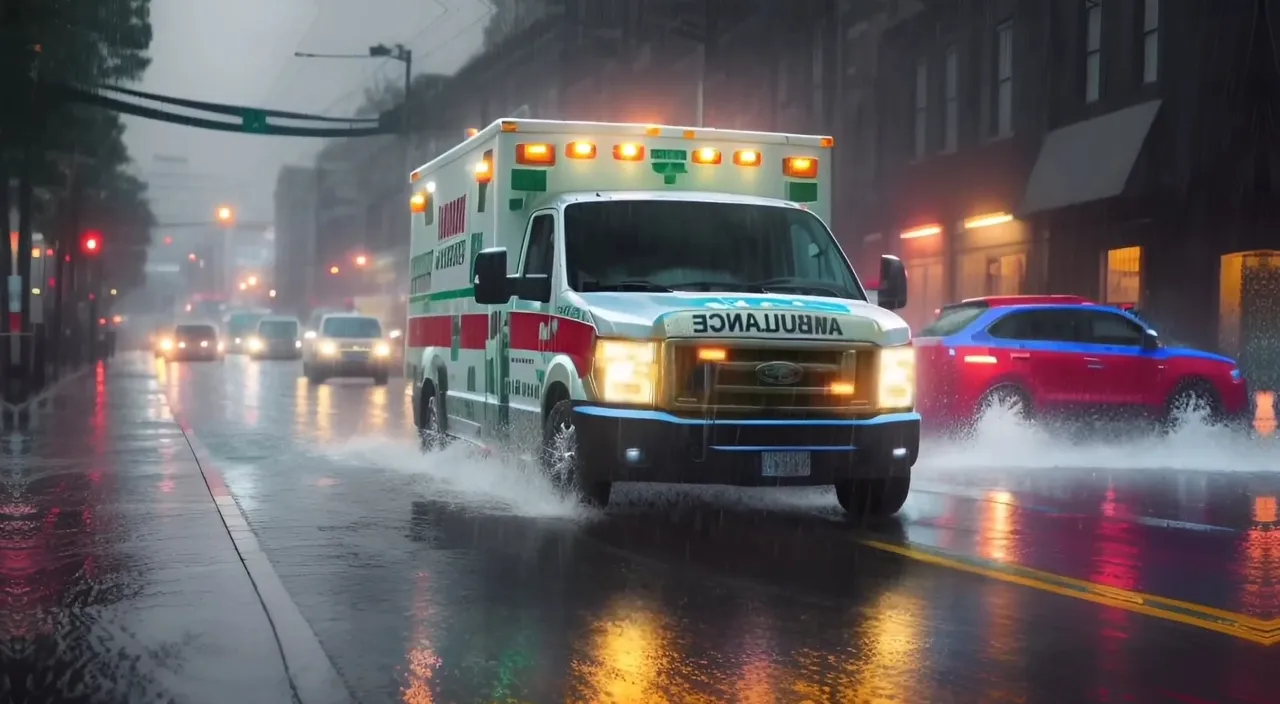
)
(324, 408)
(629, 659)
(1261, 548)
(301, 417)
(252, 393)
(883, 662)
(422, 658)
(995, 532)
(375, 416)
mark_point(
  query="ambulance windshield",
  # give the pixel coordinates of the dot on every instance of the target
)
(664, 245)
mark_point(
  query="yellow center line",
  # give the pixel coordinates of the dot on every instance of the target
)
(1262, 632)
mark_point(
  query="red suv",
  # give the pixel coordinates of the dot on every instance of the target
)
(1054, 356)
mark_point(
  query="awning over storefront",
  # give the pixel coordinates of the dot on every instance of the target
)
(1089, 160)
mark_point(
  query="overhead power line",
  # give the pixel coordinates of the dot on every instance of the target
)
(252, 120)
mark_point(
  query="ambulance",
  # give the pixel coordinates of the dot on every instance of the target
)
(632, 303)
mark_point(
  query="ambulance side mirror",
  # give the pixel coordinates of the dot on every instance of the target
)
(491, 284)
(893, 283)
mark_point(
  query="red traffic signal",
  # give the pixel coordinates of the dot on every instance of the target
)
(91, 243)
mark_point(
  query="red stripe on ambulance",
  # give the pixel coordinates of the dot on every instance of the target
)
(453, 218)
(572, 338)
(437, 331)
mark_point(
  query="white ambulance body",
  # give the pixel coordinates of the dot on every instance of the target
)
(663, 304)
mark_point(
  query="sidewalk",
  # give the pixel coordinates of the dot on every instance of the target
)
(119, 581)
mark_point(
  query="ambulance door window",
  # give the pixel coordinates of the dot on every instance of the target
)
(540, 252)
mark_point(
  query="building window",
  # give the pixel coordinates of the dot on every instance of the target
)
(922, 108)
(1151, 41)
(1004, 78)
(1122, 276)
(951, 108)
(1093, 51)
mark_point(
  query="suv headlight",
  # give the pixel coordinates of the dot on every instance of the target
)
(626, 371)
(255, 344)
(896, 385)
(328, 348)
(382, 349)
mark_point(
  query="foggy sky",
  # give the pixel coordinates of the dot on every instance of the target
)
(241, 52)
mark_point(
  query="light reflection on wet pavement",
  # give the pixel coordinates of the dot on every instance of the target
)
(458, 579)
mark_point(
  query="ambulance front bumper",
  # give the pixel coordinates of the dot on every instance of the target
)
(630, 445)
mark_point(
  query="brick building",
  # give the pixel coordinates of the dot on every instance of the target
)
(1104, 148)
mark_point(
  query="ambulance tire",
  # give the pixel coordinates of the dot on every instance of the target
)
(874, 498)
(559, 457)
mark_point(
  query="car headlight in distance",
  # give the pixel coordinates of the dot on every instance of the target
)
(328, 349)
(896, 386)
(166, 344)
(297, 344)
(309, 335)
(221, 346)
(626, 371)
(382, 349)
(255, 344)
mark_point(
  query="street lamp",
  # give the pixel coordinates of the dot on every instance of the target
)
(113, 292)
(333, 270)
(362, 260)
(253, 280)
(243, 286)
(272, 293)
(225, 215)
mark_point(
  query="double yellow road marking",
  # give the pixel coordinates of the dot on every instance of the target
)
(1255, 630)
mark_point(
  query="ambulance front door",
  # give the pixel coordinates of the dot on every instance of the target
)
(523, 337)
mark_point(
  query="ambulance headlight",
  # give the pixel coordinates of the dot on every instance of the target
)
(626, 371)
(896, 385)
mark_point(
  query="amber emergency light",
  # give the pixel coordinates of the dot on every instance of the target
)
(800, 167)
(484, 171)
(418, 203)
(580, 150)
(712, 354)
(746, 157)
(707, 155)
(535, 154)
(628, 152)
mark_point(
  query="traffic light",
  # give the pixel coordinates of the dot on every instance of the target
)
(91, 243)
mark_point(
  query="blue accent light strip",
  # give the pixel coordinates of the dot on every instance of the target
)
(784, 448)
(664, 417)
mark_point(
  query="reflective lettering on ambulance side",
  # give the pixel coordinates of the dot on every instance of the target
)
(451, 255)
(767, 324)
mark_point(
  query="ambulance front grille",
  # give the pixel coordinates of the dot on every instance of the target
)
(736, 386)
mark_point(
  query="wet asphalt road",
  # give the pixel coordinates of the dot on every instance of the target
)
(1011, 576)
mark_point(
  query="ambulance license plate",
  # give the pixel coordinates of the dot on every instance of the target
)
(785, 464)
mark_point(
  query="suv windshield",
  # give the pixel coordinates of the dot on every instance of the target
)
(278, 329)
(660, 245)
(190, 331)
(351, 327)
(953, 319)
(243, 323)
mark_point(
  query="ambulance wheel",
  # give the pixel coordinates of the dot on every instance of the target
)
(560, 458)
(873, 498)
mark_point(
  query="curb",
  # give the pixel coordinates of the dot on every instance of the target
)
(311, 673)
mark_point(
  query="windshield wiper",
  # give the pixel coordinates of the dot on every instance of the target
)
(805, 286)
(628, 285)
(724, 286)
